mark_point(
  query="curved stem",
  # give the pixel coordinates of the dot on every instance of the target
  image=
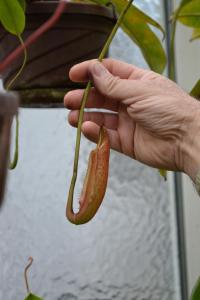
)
(83, 103)
(13, 163)
(11, 82)
(25, 274)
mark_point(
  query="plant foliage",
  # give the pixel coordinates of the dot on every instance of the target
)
(32, 297)
(188, 14)
(196, 291)
(12, 15)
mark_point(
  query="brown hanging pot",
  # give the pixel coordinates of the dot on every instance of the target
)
(8, 108)
(79, 35)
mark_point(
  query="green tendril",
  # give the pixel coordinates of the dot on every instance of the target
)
(85, 97)
(11, 82)
(26, 275)
(13, 163)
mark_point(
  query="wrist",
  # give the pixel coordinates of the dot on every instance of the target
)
(191, 143)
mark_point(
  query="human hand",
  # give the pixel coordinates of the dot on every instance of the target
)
(149, 117)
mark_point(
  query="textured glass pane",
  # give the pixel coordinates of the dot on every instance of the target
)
(128, 252)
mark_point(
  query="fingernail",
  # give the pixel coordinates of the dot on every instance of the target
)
(98, 69)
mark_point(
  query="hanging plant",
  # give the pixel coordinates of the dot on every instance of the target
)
(13, 17)
(59, 51)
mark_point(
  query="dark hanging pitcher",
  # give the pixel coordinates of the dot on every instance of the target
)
(8, 108)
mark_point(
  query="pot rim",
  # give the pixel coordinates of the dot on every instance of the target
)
(41, 7)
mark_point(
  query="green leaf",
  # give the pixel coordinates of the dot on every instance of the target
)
(12, 16)
(145, 18)
(32, 297)
(189, 14)
(183, 2)
(195, 34)
(195, 92)
(133, 10)
(176, 11)
(149, 45)
(135, 25)
(23, 4)
(196, 291)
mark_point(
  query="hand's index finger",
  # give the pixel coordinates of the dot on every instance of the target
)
(80, 72)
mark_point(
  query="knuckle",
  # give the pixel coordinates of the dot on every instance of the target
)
(112, 85)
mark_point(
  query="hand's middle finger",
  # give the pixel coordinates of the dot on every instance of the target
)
(72, 100)
(108, 120)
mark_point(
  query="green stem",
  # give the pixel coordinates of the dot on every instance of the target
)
(84, 100)
(13, 163)
(111, 36)
(9, 85)
(172, 74)
(172, 53)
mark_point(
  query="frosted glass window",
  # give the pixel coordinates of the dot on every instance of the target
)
(127, 252)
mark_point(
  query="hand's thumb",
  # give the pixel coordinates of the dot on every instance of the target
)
(107, 84)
